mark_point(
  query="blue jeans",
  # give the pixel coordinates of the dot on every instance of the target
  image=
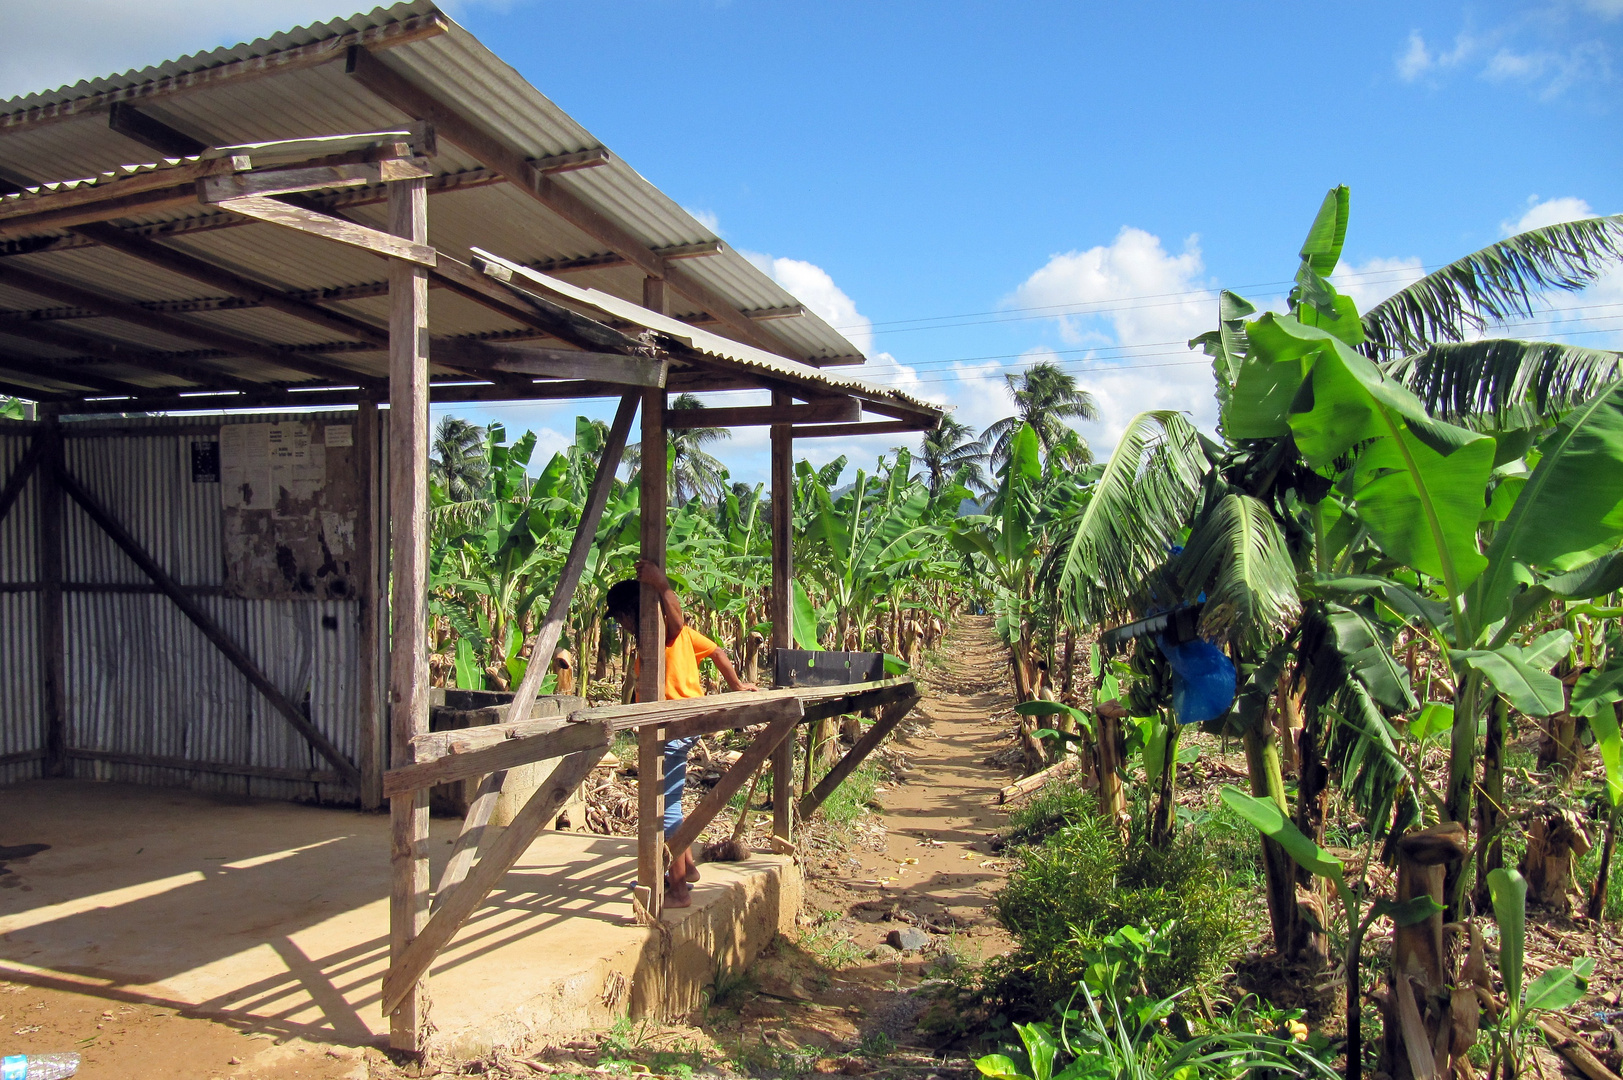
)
(676, 780)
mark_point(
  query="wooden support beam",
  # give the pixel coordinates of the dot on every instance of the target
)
(408, 639)
(327, 227)
(854, 431)
(528, 309)
(172, 178)
(783, 495)
(309, 397)
(495, 153)
(407, 30)
(501, 356)
(857, 697)
(407, 968)
(778, 732)
(822, 409)
(888, 719)
(125, 311)
(52, 615)
(226, 768)
(650, 891)
(552, 738)
(303, 178)
(371, 559)
(24, 368)
(273, 297)
(151, 132)
(135, 204)
(210, 629)
(21, 472)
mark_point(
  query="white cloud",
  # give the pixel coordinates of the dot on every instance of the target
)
(1557, 70)
(1540, 213)
(1415, 60)
(707, 218)
(1138, 305)
(1606, 9)
(1368, 283)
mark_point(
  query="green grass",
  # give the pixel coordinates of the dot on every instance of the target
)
(1589, 866)
(1055, 805)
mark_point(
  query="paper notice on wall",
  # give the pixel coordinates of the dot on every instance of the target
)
(245, 466)
(340, 435)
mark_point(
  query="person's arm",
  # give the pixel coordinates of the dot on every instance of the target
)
(653, 577)
(725, 666)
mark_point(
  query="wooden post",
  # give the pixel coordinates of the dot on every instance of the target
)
(650, 892)
(783, 486)
(52, 642)
(408, 639)
(371, 525)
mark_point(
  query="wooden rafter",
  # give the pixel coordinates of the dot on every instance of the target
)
(110, 350)
(818, 411)
(521, 359)
(852, 431)
(151, 132)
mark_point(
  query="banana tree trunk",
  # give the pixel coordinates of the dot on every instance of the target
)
(1069, 672)
(1279, 869)
(1490, 804)
(1108, 758)
(1164, 819)
(1596, 909)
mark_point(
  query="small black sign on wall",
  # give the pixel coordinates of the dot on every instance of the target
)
(205, 461)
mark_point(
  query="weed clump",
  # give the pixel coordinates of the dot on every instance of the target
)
(1084, 882)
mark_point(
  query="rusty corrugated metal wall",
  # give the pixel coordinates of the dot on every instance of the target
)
(141, 680)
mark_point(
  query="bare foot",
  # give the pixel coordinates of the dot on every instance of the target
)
(692, 875)
(678, 899)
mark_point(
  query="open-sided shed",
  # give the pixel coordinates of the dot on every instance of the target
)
(378, 212)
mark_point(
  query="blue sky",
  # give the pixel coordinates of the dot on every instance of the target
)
(966, 186)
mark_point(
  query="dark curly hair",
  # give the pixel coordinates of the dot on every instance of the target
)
(625, 598)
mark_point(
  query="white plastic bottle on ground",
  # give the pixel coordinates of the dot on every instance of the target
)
(38, 1067)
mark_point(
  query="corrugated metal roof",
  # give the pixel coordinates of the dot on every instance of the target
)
(63, 136)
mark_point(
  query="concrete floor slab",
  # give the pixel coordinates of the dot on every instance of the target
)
(275, 916)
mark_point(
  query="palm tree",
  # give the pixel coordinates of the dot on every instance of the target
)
(951, 447)
(693, 470)
(459, 464)
(1044, 397)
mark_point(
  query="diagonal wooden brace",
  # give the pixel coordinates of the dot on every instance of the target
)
(455, 908)
(211, 629)
(888, 719)
(466, 848)
(781, 727)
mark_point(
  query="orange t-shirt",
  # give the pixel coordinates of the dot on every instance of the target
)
(682, 658)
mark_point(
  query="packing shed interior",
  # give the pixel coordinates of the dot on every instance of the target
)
(369, 212)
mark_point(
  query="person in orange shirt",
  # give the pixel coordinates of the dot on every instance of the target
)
(685, 649)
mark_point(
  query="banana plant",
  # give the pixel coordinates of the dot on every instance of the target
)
(1558, 988)
(1269, 819)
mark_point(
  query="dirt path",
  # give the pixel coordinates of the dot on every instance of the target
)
(938, 861)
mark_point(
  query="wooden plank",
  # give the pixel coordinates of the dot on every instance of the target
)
(20, 473)
(408, 638)
(820, 410)
(20, 756)
(500, 356)
(857, 699)
(466, 847)
(371, 530)
(410, 966)
(782, 481)
(528, 309)
(778, 733)
(728, 718)
(52, 615)
(650, 891)
(123, 310)
(216, 634)
(21, 368)
(224, 768)
(208, 273)
(291, 181)
(109, 190)
(413, 28)
(495, 153)
(854, 431)
(580, 547)
(327, 227)
(853, 757)
(561, 739)
(140, 203)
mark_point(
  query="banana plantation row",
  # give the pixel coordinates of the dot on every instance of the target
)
(1402, 547)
